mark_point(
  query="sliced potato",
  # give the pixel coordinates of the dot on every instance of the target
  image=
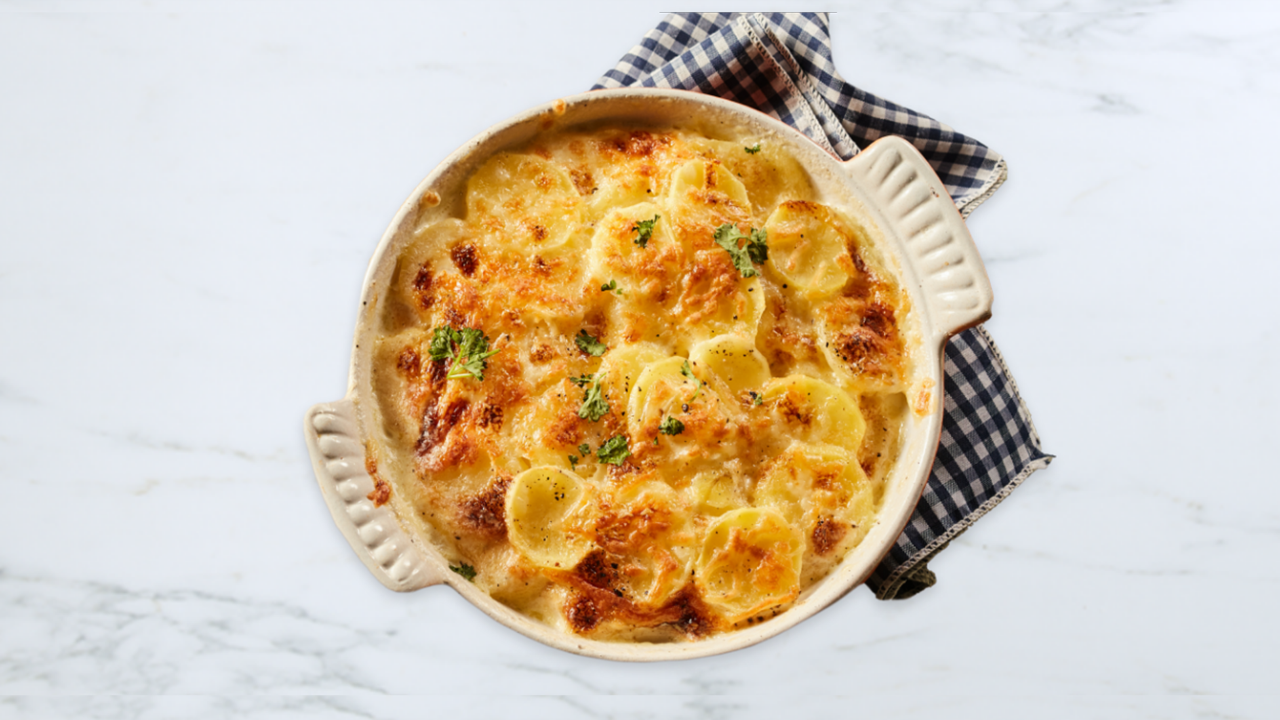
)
(525, 203)
(703, 196)
(769, 174)
(548, 518)
(824, 493)
(734, 360)
(641, 272)
(715, 299)
(808, 248)
(622, 367)
(660, 391)
(648, 532)
(817, 411)
(716, 492)
(808, 481)
(750, 562)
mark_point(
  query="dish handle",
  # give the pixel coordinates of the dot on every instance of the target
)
(936, 241)
(338, 457)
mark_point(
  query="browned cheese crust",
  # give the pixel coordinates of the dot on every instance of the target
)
(660, 437)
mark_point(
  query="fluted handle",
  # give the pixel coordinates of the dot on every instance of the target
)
(937, 242)
(338, 457)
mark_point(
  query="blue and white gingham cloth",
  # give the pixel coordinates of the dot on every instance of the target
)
(780, 64)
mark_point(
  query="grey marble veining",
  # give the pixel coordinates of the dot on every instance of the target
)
(189, 194)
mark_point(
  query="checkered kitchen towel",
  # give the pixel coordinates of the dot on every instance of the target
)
(780, 63)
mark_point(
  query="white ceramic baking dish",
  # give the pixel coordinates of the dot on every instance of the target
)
(889, 181)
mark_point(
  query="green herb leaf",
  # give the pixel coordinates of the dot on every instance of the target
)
(573, 462)
(473, 366)
(590, 345)
(465, 571)
(594, 404)
(614, 450)
(468, 348)
(581, 381)
(755, 250)
(472, 342)
(687, 371)
(442, 341)
(671, 426)
(753, 149)
(758, 247)
(644, 231)
(585, 449)
(473, 355)
(611, 285)
(756, 398)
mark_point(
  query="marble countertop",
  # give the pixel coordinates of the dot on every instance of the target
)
(189, 194)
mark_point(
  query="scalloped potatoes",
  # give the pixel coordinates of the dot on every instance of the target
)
(687, 398)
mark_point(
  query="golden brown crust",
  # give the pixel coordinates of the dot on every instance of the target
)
(466, 258)
(592, 607)
(615, 546)
(484, 513)
(827, 534)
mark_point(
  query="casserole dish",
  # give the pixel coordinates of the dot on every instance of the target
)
(893, 190)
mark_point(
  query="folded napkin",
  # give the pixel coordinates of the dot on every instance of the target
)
(780, 64)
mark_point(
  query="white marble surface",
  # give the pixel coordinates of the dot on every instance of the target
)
(188, 197)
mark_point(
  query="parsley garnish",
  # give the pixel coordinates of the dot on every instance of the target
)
(644, 231)
(581, 381)
(468, 348)
(465, 571)
(671, 426)
(594, 405)
(585, 449)
(442, 340)
(754, 251)
(589, 345)
(756, 398)
(753, 149)
(573, 462)
(614, 450)
(687, 371)
(611, 285)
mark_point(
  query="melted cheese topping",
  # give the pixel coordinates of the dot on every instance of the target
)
(760, 414)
